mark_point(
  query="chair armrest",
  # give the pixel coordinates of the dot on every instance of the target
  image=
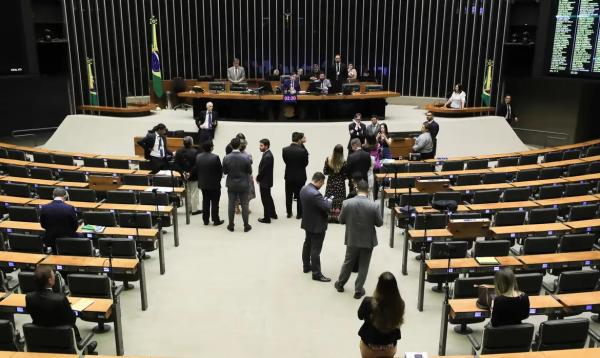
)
(81, 345)
(594, 338)
(548, 288)
(119, 289)
(596, 247)
(12, 288)
(475, 345)
(514, 251)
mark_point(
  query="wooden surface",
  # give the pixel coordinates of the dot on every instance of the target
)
(166, 189)
(583, 224)
(134, 207)
(430, 233)
(89, 261)
(173, 144)
(469, 262)
(21, 257)
(14, 200)
(525, 184)
(439, 110)
(580, 299)
(502, 205)
(568, 200)
(76, 204)
(531, 228)
(562, 257)
(131, 110)
(278, 97)
(120, 231)
(481, 187)
(401, 147)
(100, 305)
(21, 225)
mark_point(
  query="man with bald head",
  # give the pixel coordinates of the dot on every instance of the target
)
(207, 122)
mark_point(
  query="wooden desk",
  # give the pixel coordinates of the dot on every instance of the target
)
(580, 178)
(428, 209)
(9, 226)
(469, 188)
(29, 181)
(451, 173)
(593, 158)
(382, 176)
(135, 111)
(492, 207)
(444, 111)
(14, 200)
(107, 171)
(72, 184)
(560, 260)
(179, 191)
(514, 169)
(439, 160)
(20, 259)
(585, 300)
(586, 225)
(25, 163)
(561, 163)
(568, 353)
(497, 155)
(520, 230)
(467, 307)
(530, 183)
(75, 204)
(567, 200)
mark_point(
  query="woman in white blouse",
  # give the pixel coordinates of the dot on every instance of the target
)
(458, 98)
(352, 75)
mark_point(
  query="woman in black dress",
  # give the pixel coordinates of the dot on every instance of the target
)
(383, 315)
(335, 169)
(510, 306)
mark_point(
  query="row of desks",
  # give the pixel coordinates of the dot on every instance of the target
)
(133, 158)
(87, 170)
(565, 353)
(4, 354)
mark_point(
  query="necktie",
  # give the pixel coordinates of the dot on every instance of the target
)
(161, 150)
(209, 120)
(236, 75)
(322, 84)
(508, 111)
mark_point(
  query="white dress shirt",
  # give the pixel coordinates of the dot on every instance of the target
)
(158, 150)
(206, 121)
(457, 100)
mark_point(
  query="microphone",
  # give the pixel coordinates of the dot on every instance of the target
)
(155, 190)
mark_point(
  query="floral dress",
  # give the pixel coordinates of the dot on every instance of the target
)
(336, 187)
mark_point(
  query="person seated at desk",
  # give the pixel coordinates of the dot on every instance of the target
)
(315, 72)
(58, 218)
(324, 83)
(383, 314)
(301, 75)
(352, 74)
(291, 85)
(457, 99)
(50, 309)
(155, 148)
(424, 143)
(510, 306)
(236, 73)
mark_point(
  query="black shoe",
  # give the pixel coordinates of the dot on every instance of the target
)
(338, 287)
(264, 221)
(321, 278)
(306, 269)
(358, 295)
(298, 217)
(206, 223)
(274, 217)
(289, 215)
(196, 212)
(91, 348)
(230, 227)
(247, 228)
(217, 223)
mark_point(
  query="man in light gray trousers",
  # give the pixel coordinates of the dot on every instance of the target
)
(360, 215)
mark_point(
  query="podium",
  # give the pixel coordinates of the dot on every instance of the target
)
(432, 186)
(469, 228)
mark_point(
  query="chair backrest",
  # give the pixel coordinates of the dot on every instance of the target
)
(68, 175)
(416, 167)
(571, 154)
(78, 194)
(62, 159)
(467, 179)
(121, 197)
(528, 159)
(543, 215)
(42, 158)
(466, 287)
(94, 162)
(453, 165)
(147, 198)
(447, 196)
(135, 219)
(7, 336)
(121, 247)
(402, 183)
(592, 151)
(3, 153)
(562, 334)
(117, 163)
(17, 171)
(16, 154)
(491, 248)
(494, 178)
(550, 191)
(85, 285)
(509, 218)
(465, 215)
(45, 192)
(145, 165)
(553, 157)
(582, 212)
(165, 180)
(477, 164)
(527, 175)
(507, 339)
(41, 173)
(508, 162)
(577, 189)
(530, 283)
(387, 168)
(102, 218)
(16, 189)
(28, 284)
(551, 173)
(26, 242)
(577, 281)
(454, 249)
(74, 246)
(129, 179)
(516, 194)
(430, 221)
(57, 339)
(416, 199)
(486, 196)
(594, 168)
(577, 169)
(577, 242)
(540, 245)
(23, 213)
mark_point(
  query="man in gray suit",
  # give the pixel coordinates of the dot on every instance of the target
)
(238, 168)
(236, 73)
(361, 215)
(374, 127)
(314, 222)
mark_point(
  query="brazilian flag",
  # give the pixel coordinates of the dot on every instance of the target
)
(92, 83)
(157, 84)
(487, 84)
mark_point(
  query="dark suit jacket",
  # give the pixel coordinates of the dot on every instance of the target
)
(49, 309)
(503, 109)
(343, 77)
(315, 209)
(295, 157)
(59, 220)
(361, 133)
(185, 159)
(148, 143)
(210, 171)
(265, 170)
(434, 128)
(202, 117)
(238, 167)
(358, 161)
(287, 84)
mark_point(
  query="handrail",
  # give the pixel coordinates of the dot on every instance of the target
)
(548, 136)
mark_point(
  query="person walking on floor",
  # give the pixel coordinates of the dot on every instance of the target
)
(238, 168)
(265, 181)
(210, 172)
(314, 223)
(360, 215)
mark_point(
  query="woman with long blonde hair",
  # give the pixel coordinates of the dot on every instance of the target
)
(335, 170)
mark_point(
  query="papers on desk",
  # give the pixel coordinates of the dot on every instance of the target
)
(82, 304)
(487, 261)
(93, 228)
(164, 172)
(160, 189)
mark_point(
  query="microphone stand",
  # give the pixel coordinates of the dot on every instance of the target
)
(161, 256)
(115, 291)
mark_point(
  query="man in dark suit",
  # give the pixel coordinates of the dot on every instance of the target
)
(265, 181)
(210, 172)
(185, 160)
(291, 85)
(359, 162)
(228, 148)
(434, 129)
(506, 110)
(207, 122)
(58, 218)
(314, 223)
(50, 309)
(338, 74)
(155, 148)
(295, 157)
(360, 215)
(238, 168)
(357, 129)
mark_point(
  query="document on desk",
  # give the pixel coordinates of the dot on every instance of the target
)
(93, 228)
(160, 189)
(82, 304)
(487, 261)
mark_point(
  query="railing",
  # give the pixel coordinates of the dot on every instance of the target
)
(541, 138)
(31, 133)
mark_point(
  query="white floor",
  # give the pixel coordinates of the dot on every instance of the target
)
(244, 294)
